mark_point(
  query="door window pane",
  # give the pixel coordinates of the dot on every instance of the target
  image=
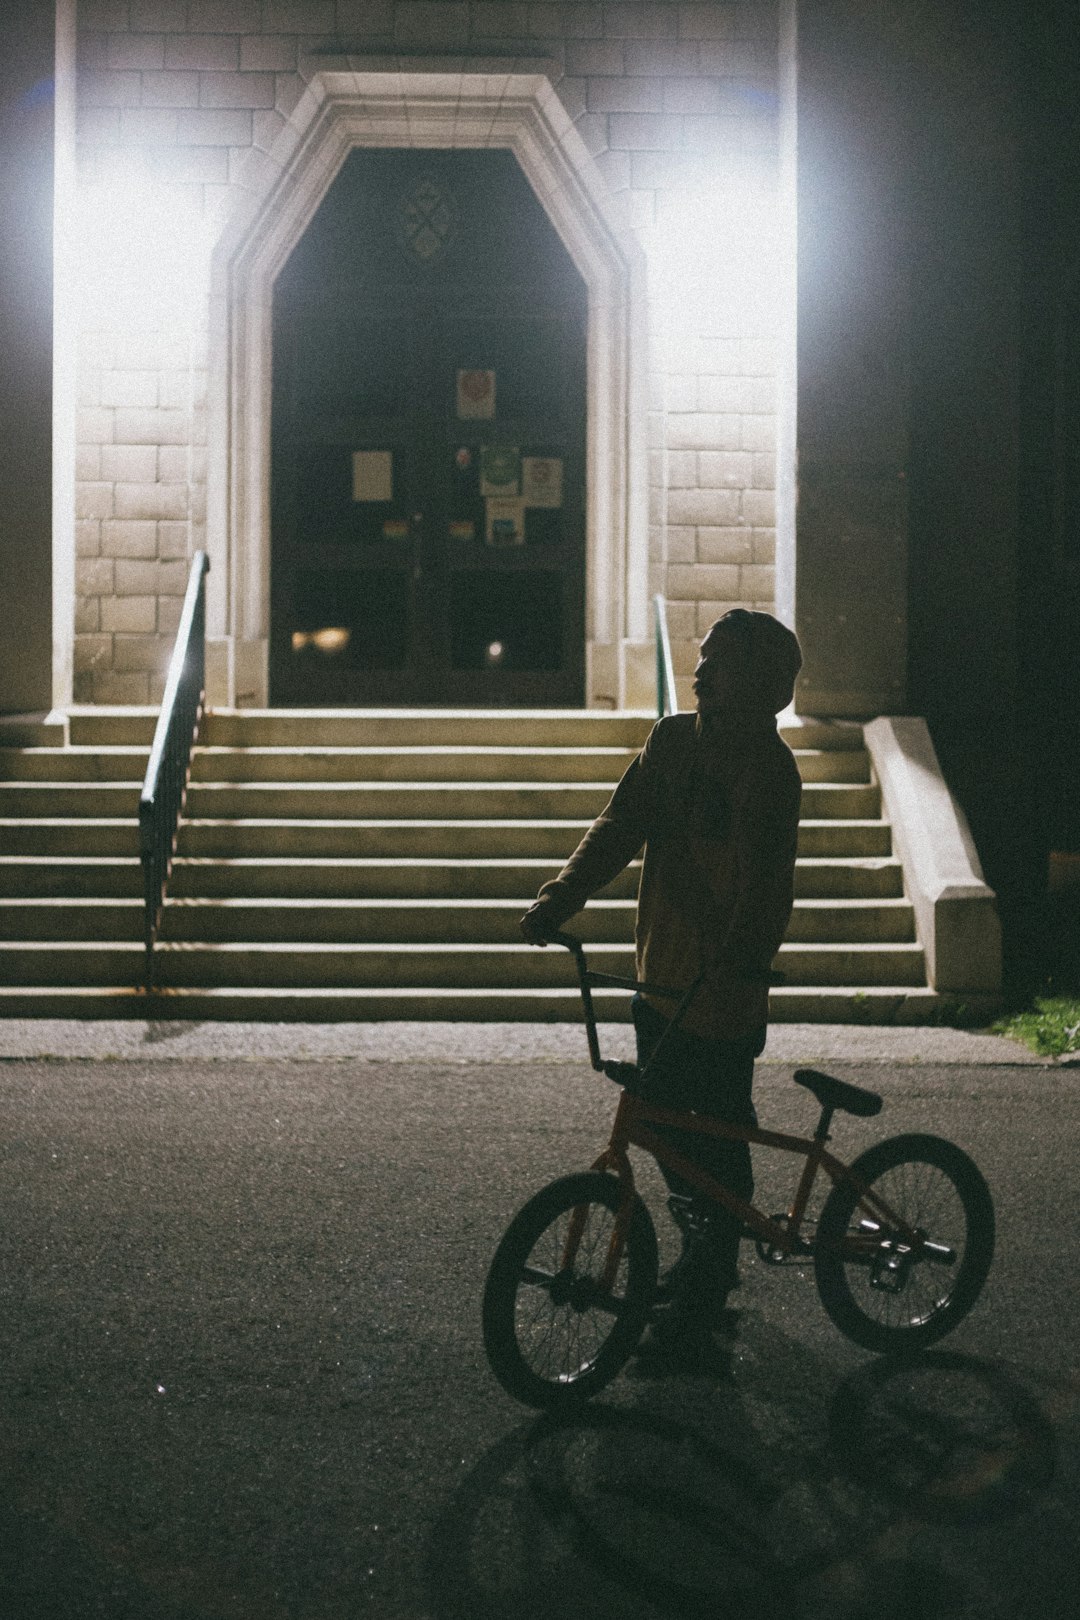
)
(510, 621)
(350, 620)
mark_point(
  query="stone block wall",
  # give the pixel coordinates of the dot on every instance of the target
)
(675, 102)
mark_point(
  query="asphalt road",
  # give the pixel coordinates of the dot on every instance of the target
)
(241, 1372)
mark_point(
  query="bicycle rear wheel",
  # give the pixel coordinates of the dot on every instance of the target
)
(555, 1328)
(888, 1295)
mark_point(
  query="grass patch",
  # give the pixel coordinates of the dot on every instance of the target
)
(1051, 1029)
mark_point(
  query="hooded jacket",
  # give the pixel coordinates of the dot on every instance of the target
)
(714, 800)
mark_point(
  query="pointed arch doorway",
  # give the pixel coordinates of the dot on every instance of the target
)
(428, 443)
(519, 115)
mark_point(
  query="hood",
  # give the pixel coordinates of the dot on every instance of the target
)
(772, 658)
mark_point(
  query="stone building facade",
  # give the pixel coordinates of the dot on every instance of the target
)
(667, 117)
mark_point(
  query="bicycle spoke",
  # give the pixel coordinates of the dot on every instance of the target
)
(876, 1280)
(560, 1338)
(555, 1328)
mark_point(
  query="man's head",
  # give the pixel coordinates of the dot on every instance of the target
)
(748, 665)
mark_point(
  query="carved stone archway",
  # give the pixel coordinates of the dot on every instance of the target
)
(339, 110)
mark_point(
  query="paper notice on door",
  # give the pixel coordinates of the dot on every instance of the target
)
(541, 480)
(505, 522)
(500, 470)
(372, 475)
(475, 396)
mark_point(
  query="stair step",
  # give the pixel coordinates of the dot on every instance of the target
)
(65, 835)
(855, 878)
(50, 800)
(72, 877)
(478, 878)
(486, 766)
(104, 918)
(329, 840)
(389, 728)
(90, 765)
(457, 800)
(417, 966)
(395, 921)
(392, 921)
(372, 879)
(86, 876)
(330, 800)
(833, 1004)
(122, 766)
(346, 728)
(115, 764)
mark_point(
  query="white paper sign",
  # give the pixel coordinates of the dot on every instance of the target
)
(372, 475)
(541, 480)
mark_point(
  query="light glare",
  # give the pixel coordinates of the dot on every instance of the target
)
(144, 254)
(714, 262)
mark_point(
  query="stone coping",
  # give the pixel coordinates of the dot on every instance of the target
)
(955, 909)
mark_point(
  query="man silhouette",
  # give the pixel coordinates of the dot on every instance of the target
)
(714, 799)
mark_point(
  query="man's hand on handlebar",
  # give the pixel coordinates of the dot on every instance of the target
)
(538, 927)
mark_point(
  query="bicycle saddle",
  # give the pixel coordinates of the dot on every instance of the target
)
(833, 1093)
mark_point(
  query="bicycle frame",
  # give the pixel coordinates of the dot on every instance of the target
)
(634, 1116)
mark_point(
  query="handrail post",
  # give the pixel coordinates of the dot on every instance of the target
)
(164, 789)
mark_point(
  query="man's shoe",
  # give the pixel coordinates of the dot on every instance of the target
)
(704, 1267)
(697, 1285)
(673, 1345)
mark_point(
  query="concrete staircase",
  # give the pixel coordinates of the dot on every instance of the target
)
(344, 865)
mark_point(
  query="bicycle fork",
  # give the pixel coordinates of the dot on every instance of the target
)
(614, 1157)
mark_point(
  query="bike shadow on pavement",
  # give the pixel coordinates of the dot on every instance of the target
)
(698, 1499)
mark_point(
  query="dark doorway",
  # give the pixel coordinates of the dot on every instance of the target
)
(428, 472)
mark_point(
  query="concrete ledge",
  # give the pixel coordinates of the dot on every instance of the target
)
(955, 910)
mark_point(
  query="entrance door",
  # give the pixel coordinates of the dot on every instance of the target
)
(428, 473)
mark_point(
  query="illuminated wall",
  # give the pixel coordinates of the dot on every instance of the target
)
(676, 105)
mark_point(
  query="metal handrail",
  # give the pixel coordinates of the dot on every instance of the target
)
(667, 700)
(164, 789)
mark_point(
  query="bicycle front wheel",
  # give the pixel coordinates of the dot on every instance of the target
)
(885, 1293)
(569, 1291)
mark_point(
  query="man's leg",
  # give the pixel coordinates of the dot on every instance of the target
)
(710, 1077)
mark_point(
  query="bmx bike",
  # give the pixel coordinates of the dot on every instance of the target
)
(900, 1251)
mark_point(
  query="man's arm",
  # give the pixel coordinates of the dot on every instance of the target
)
(611, 843)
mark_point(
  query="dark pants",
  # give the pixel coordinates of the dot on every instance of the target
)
(706, 1077)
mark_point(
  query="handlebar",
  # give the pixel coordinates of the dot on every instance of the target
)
(588, 977)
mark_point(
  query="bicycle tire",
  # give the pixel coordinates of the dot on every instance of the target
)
(550, 1337)
(886, 1299)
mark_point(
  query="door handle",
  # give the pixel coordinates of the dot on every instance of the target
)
(418, 567)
